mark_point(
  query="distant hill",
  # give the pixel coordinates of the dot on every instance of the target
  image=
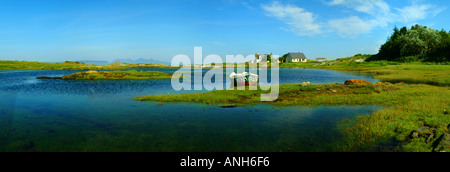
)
(140, 60)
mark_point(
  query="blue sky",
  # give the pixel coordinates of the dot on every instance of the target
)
(58, 30)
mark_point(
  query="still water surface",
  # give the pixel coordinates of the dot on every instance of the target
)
(58, 115)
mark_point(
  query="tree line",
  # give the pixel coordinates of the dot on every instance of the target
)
(419, 43)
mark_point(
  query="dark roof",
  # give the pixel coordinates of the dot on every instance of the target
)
(297, 55)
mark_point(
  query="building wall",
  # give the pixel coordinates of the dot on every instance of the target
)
(296, 61)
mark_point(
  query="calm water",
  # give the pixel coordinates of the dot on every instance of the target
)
(58, 115)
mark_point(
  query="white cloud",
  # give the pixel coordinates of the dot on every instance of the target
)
(350, 27)
(417, 12)
(301, 22)
(372, 7)
(372, 14)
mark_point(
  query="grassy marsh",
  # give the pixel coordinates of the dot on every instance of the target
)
(415, 72)
(117, 75)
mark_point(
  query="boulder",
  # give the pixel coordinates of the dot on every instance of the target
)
(423, 131)
(357, 82)
(305, 84)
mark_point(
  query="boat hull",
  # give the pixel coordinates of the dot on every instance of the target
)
(252, 83)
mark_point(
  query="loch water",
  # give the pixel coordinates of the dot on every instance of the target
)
(63, 115)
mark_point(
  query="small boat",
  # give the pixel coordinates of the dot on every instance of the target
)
(244, 79)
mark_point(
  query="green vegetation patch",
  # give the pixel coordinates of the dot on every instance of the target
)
(117, 75)
(290, 94)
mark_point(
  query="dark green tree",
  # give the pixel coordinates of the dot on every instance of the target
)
(419, 43)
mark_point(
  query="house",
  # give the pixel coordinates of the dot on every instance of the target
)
(360, 60)
(296, 58)
(321, 59)
(261, 58)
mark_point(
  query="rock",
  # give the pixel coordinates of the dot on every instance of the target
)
(423, 131)
(228, 106)
(305, 84)
(442, 143)
(357, 82)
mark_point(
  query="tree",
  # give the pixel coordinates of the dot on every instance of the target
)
(283, 58)
(412, 45)
(425, 44)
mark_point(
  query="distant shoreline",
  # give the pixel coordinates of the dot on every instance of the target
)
(71, 65)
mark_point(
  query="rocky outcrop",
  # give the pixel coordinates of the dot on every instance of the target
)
(443, 142)
(357, 82)
(424, 131)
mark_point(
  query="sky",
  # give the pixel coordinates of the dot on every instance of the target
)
(104, 30)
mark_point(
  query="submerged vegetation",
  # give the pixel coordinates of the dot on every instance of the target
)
(115, 75)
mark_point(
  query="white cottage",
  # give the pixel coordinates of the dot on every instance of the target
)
(296, 58)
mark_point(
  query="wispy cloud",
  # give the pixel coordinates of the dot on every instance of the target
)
(351, 26)
(301, 22)
(372, 14)
(417, 11)
(378, 11)
(372, 7)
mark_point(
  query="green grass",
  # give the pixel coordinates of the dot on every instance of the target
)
(298, 65)
(117, 75)
(290, 94)
(419, 73)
